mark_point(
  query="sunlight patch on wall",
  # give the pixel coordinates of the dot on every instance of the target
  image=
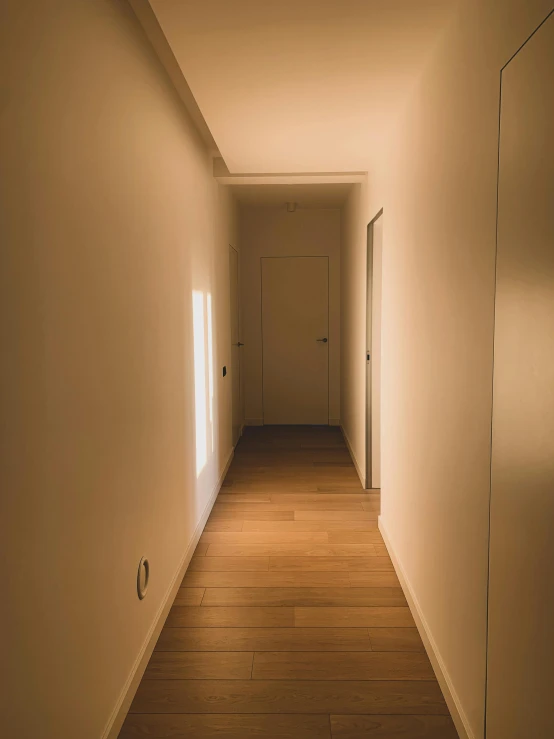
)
(210, 370)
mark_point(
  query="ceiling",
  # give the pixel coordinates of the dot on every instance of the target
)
(300, 85)
(305, 196)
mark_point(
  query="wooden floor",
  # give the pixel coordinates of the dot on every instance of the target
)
(290, 622)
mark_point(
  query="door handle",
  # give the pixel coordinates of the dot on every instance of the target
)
(323, 340)
(239, 344)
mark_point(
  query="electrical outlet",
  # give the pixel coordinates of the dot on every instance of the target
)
(143, 576)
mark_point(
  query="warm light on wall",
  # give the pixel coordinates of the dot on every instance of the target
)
(210, 369)
(202, 319)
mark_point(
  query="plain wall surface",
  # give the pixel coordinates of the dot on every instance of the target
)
(437, 185)
(521, 603)
(109, 220)
(301, 85)
(271, 232)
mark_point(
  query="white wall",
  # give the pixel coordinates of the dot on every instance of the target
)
(266, 232)
(437, 184)
(109, 220)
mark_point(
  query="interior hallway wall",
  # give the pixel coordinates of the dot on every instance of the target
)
(437, 184)
(109, 220)
(266, 232)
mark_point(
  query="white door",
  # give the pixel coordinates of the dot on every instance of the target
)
(521, 568)
(235, 344)
(295, 324)
(373, 353)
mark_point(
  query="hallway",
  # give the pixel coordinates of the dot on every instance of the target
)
(328, 225)
(290, 621)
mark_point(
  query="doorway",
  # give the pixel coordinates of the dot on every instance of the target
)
(521, 598)
(295, 343)
(236, 345)
(373, 352)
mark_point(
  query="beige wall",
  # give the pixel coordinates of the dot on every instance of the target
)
(266, 232)
(108, 222)
(438, 189)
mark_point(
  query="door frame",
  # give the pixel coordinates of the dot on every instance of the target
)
(494, 400)
(368, 351)
(241, 413)
(297, 256)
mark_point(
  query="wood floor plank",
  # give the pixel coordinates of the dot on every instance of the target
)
(243, 497)
(189, 597)
(315, 506)
(353, 616)
(393, 727)
(320, 597)
(200, 550)
(341, 564)
(341, 666)
(199, 666)
(271, 459)
(339, 487)
(289, 696)
(260, 457)
(302, 475)
(371, 507)
(372, 579)
(286, 526)
(272, 579)
(263, 640)
(230, 617)
(304, 465)
(338, 464)
(352, 537)
(255, 515)
(262, 537)
(319, 497)
(226, 726)
(343, 461)
(291, 550)
(342, 515)
(233, 524)
(281, 486)
(388, 639)
(229, 564)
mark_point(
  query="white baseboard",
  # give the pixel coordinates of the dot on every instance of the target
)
(357, 465)
(457, 712)
(253, 421)
(115, 722)
(334, 422)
